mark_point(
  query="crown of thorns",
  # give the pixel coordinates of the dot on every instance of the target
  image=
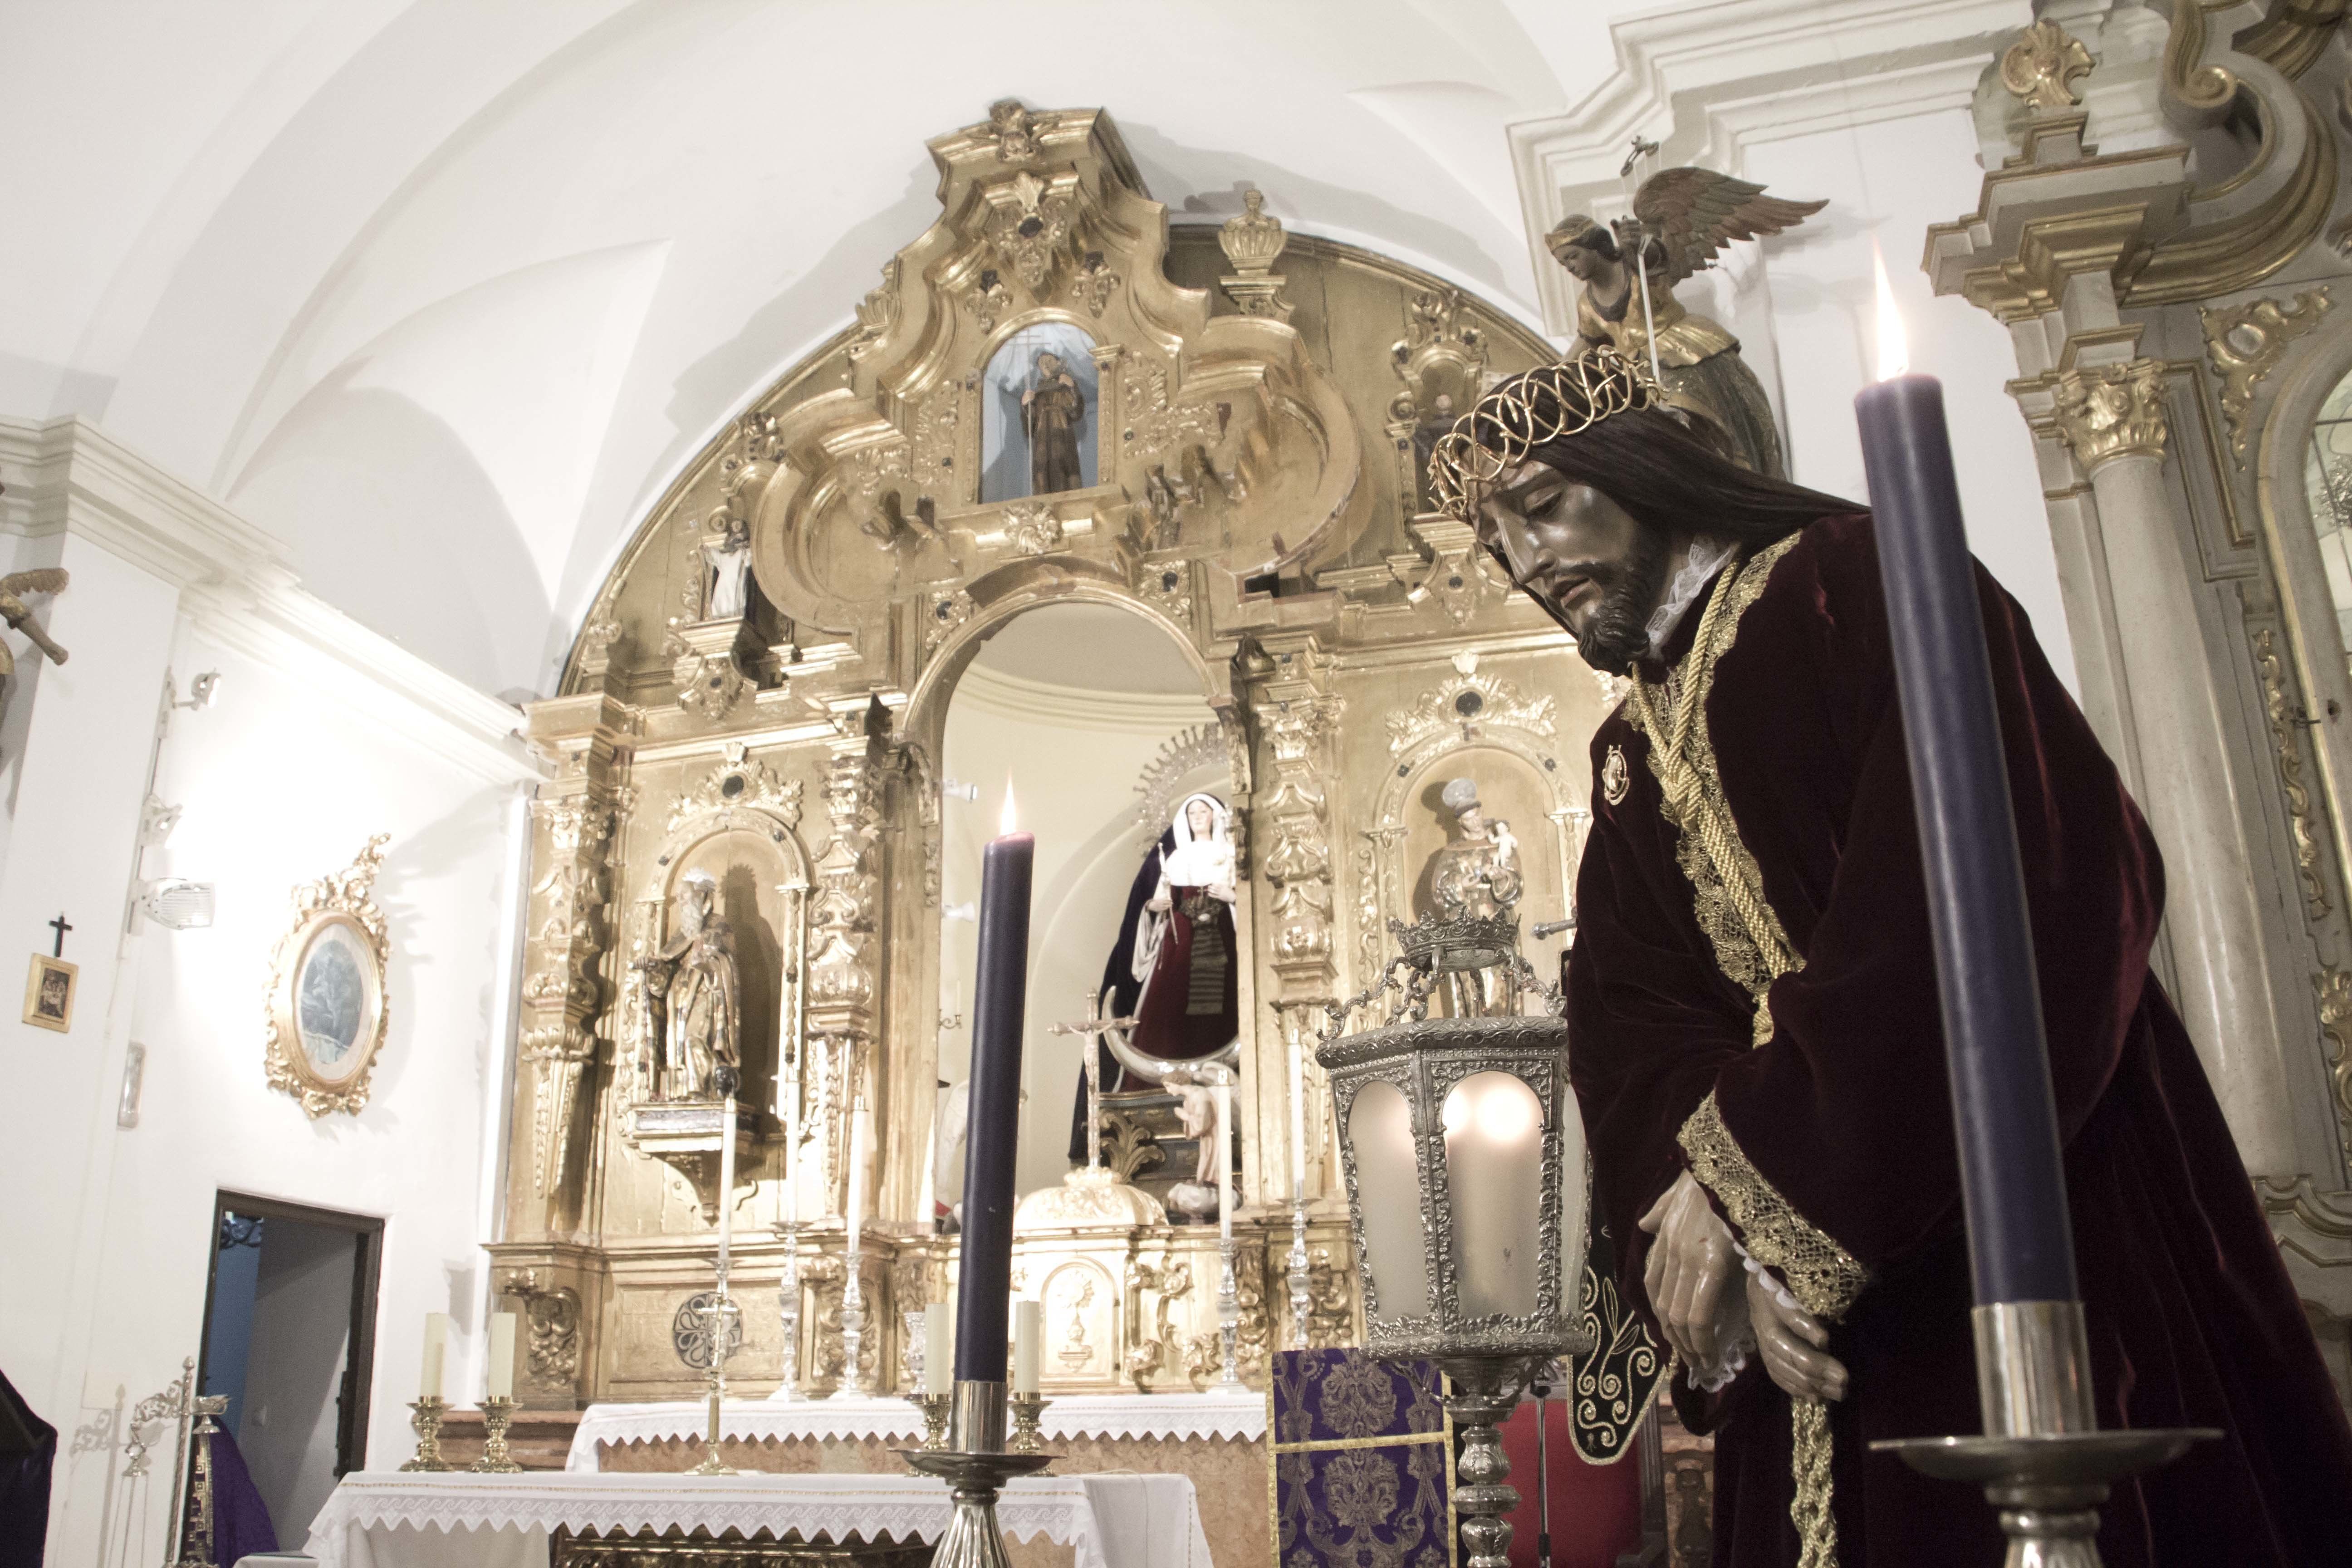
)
(1526, 411)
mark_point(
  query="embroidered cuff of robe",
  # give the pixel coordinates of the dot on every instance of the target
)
(1823, 1276)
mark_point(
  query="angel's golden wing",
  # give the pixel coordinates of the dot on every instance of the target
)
(44, 580)
(1691, 214)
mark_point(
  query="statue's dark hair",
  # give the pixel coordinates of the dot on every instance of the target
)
(1670, 478)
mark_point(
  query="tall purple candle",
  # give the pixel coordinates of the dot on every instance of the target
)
(2013, 1184)
(985, 1282)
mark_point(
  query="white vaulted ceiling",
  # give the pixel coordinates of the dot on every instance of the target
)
(443, 293)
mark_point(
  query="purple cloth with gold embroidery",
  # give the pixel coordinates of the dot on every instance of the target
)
(1342, 1497)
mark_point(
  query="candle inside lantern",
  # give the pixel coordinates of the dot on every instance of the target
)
(502, 1343)
(436, 1342)
(2012, 1182)
(726, 1186)
(992, 1140)
(938, 1349)
(1028, 1330)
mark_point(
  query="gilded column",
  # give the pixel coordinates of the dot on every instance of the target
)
(2111, 419)
(845, 953)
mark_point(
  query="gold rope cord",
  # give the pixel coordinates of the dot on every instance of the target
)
(1753, 948)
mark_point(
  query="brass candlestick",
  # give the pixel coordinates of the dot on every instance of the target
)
(425, 1417)
(935, 1407)
(497, 1414)
(1026, 1409)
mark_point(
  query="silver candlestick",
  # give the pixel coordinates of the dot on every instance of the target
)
(788, 1308)
(1299, 1274)
(975, 1466)
(1229, 1319)
(854, 1381)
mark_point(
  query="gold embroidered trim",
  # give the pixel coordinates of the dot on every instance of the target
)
(1823, 1276)
(1751, 947)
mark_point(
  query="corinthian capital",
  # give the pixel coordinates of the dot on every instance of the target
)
(2110, 411)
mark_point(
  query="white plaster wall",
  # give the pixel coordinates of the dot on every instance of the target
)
(1887, 182)
(104, 1253)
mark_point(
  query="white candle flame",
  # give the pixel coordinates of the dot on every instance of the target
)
(1893, 351)
(1010, 822)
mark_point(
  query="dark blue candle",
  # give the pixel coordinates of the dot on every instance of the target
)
(2013, 1187)
(984, 1271)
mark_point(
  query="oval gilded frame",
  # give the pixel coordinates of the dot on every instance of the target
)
(339, 903)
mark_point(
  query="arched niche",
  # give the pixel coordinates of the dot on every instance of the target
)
(755, 857)
(1085, 761)
(2302, 529)
(1040, 412)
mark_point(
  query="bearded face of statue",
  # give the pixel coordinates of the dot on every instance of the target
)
(1599, 570)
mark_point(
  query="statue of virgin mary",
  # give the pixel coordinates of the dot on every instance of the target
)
(1174, 967)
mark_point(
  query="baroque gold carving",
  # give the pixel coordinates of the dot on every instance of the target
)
(1028, 225)
(877, 312)
(552, 1353)
(1468, 702)
(1297, 860)
(2334, 987)
(739, 782)
(1252, 241)
(337, 910)
(944, 611)
(2110, 411)
(2246, 342)
(1095, 283)
(2285, 715)
(561, 991)
(2043, 65)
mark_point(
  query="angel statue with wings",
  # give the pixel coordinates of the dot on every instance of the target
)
(1686, 216)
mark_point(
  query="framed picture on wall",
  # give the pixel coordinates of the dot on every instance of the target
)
(326, 990)
(49, 993)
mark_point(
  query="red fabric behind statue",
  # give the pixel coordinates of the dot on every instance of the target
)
(1845, 1110)
(1596, 1510)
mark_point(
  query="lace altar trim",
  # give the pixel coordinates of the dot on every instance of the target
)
(1197, 1415)
(1150, 1521)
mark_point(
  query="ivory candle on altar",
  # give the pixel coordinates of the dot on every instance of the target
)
(992, 1140)
(501, 1366)
(2012, 1182)
(1028, 1330)
(437, 1343)
(1297, 1119)
(856, 1218)
(1225, 1155)
(938, 1349)
(726, 1184)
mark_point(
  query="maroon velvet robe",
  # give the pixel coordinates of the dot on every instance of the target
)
(2191, 1319)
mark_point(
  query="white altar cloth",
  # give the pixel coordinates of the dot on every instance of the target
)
(385, 1519)
(1204, 1415)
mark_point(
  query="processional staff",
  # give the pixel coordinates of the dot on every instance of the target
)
(1094, 1026)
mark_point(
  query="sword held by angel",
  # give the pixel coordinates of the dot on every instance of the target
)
(1682, 219)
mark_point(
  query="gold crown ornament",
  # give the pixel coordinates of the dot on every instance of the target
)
(1530, 410)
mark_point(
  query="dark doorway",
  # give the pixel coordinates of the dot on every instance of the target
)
(289, 1340)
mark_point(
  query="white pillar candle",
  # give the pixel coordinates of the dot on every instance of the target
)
(726, 1184)
(1028, 1328)
(502, 1342)
(1297, 1113)
(436, 1342)
(857, 1144)
(1226, 1157)
(938, 1349)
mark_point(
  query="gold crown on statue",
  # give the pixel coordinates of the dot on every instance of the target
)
(1526, 411)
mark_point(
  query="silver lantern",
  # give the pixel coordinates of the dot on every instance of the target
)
(1463, 1152)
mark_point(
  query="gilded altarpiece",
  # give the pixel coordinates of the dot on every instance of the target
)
(1259, 416)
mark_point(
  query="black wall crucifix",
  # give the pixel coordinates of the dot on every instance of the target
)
(60, 926)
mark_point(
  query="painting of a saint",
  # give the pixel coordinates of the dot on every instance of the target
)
(1038, 417)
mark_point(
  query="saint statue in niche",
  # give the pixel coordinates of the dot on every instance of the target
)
(1475, 875)
(728, 564)
(1050, 412)
(689, 1043)
(1038, 414)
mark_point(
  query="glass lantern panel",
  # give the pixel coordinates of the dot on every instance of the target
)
(1494, 1162)
(1388, 1200)
(1575, 1206)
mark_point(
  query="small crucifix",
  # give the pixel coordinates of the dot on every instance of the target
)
(60, 926)
(1094, 1027)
